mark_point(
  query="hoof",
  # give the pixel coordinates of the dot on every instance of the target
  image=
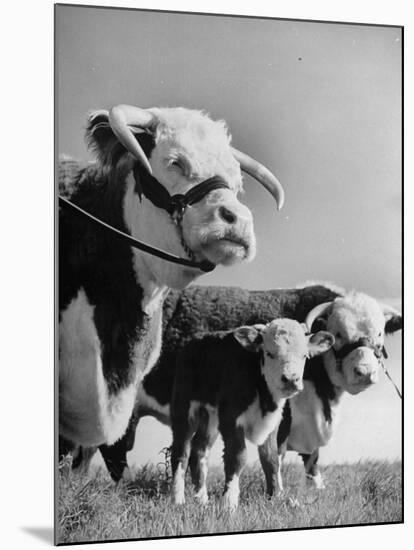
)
(178, 499)
(202, 496)
(229, 503)
(315, 482)
(127, 476)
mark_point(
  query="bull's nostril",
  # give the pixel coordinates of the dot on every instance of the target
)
(227, 215)
(284, 379)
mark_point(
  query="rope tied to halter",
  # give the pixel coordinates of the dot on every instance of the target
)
(384, 368)
(175, 205)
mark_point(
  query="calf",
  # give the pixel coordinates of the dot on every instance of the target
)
(359, 324)
(237, 384)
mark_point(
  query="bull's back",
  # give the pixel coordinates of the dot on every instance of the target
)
(192, 313)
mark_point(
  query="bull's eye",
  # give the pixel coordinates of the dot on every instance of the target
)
(181, 165)
(338, 335)
(268, 354)
(176, 164)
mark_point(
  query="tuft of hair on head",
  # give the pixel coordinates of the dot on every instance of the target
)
(368, 308)
(178, 121)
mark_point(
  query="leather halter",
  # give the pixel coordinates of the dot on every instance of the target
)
(380, 354)
(175, 205)
(154, 191)
(362, 342)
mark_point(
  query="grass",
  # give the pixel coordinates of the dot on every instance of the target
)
(92, 508)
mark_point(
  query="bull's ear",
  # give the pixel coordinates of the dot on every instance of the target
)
(320, 342)
(249, 337)
(393, 319)
(111, 154)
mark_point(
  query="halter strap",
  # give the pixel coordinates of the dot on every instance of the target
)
(362, 342)
(155, 192)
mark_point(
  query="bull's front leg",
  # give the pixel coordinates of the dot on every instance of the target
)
(271, 458)
(67, 449)
(235, 457)
(313, 475)
(83, 458)
(115, 456)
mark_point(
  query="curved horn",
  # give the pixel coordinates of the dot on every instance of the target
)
(123, 116)
(262, 175)
(316, 312)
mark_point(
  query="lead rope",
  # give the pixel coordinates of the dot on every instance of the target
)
(384, 368)
(204, 265)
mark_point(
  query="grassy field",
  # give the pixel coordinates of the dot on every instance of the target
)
(93, 508)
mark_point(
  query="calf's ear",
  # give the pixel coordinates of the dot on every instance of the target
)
(320, 342)
(393, 319)
(250, 337)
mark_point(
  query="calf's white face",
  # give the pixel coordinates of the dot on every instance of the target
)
(284, 346)
(358, 324)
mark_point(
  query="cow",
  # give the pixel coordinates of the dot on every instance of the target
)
(167, 176)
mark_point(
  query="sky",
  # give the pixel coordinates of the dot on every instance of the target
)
(319, 104)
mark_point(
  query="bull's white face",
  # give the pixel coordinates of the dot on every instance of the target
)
(190, 148)
(356, 319)
(284, 347)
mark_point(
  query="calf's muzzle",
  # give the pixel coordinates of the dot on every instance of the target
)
(292, 383)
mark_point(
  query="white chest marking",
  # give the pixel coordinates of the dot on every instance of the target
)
(153, 299)
(149, 405)
(310, 429)
(88, 415)
(256, 426)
